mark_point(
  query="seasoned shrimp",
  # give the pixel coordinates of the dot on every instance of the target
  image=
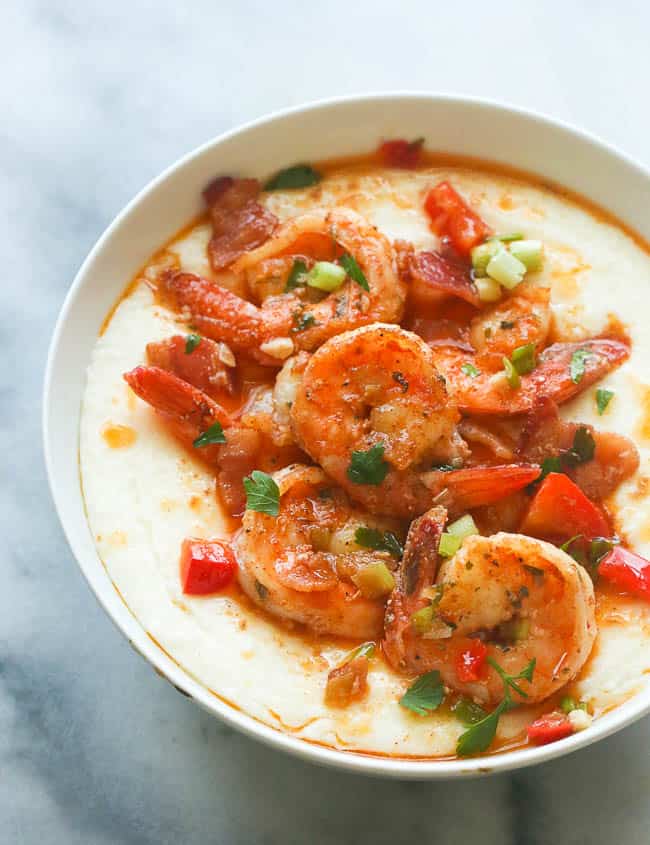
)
(300, 565)
(376, 388)
(480, 392)
(523, 598)
(519, 320)
(286, 322)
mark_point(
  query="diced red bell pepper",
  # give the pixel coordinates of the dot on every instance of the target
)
(470, 663)
(561, 509)
(451, 216)
(206, 566)
(627, 571)
(401, 153)
(549, 728)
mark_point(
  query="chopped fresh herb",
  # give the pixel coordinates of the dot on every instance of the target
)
(262, 493)
(297, 275)
(212, 435)
(298, 176)
(449, 544)
(468, 712)
(577, 365)
(506, 324)
(470, 370)
(403, 383)
(523, 359)
(535, 571)
(424, 695)
(368, 467)
(598, 548)
(456, 463)
(480, 735)
(582, 450)
(512, 376)
(191, 342)
(380, 541)
(349, 264)
(553, 464)
(302, 321)
(603, 398)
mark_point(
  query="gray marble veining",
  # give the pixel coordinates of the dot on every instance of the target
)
(96, 99)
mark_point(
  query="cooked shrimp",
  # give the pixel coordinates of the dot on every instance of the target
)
(479, 391)
(377, 387)
(284, 323)
(300, 564)
(521, 319)
(208, 366)
(524, 598)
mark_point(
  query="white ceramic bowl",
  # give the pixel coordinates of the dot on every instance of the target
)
(321, 130)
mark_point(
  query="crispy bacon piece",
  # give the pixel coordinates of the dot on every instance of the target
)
(239, 222)
(202, 366)
(399, 152)
(432, 277)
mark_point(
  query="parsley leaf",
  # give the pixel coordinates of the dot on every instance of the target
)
(191, 342)
(370, 538)
(212, 435)
(349, 264)
(577, 365)
(302, 321)
(470, 370)
(262, 493)
(368, 467)
(425, 694)
(603, 398)
(582, 450)
(298, 176)
(479, 737)
(297, 275)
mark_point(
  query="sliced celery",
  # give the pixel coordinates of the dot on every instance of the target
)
(488, 289)
(463, 527)
(422, 619)
(506, 269)
(449, 545)
(530, 253)
(325, 275)
(482, 255)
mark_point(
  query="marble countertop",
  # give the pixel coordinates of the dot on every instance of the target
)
(96, 99)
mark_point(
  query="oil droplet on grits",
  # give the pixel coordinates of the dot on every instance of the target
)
(119, 436)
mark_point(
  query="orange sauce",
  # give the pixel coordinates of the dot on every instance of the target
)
(119, 436)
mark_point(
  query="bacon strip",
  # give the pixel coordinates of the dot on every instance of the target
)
(433, 275)
(239, 222)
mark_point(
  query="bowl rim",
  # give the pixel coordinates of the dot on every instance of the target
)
(396, 767)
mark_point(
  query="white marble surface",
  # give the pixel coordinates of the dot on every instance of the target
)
(96, 98)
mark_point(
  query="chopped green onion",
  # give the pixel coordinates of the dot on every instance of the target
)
(568, 704)
(191, 342)
(488, 290)
(530, 253)
(511, 373)
(326, 275)
(506, 269)
(297, 275)
(374, 581)
(364, 650)
(449, 545)
(514, 236)
(482, 255)
(523, 359)
(463, 527)
(422, 619)
(603, 398)
(470, 370)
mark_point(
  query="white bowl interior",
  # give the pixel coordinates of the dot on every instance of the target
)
(322, 130)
